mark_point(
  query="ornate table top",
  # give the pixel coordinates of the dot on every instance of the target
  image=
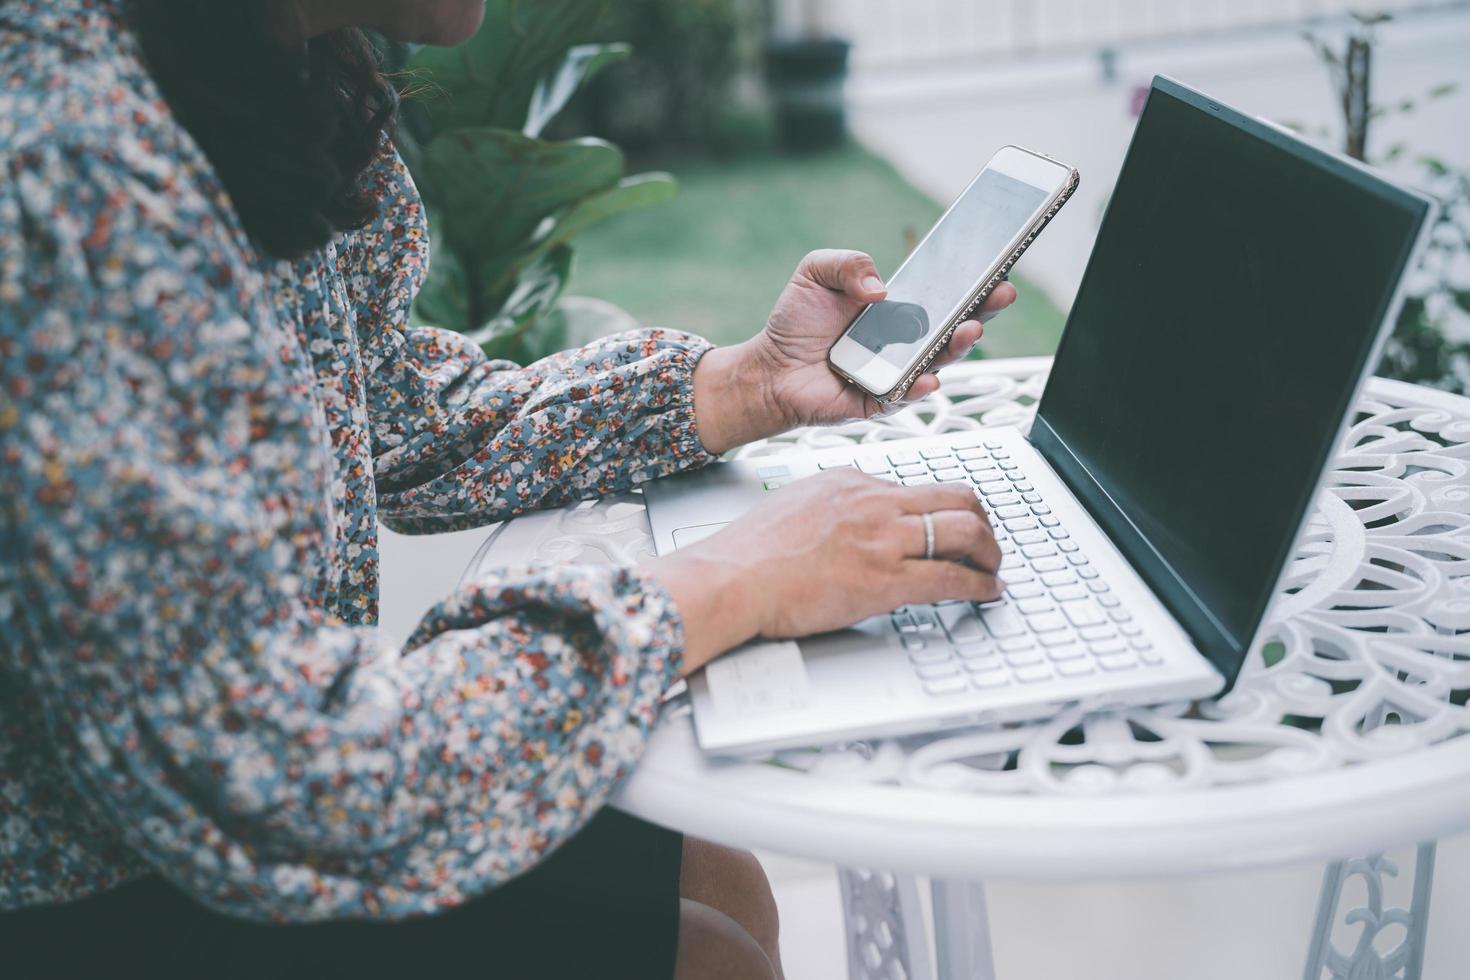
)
(1346, 732)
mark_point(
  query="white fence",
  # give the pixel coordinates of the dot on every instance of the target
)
(902, 32)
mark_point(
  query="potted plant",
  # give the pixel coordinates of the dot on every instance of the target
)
(503, 201)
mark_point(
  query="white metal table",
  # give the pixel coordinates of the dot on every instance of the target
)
(1353, 702)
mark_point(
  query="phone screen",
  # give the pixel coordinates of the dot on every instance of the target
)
(944, 269)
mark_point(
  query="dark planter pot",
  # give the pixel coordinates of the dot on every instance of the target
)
(805, 80)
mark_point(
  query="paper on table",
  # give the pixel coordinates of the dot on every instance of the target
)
(758, 678)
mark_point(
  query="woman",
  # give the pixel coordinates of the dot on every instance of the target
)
(211, 762)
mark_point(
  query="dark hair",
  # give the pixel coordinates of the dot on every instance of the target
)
(290, 133)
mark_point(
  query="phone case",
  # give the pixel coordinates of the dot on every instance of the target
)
(978, 297)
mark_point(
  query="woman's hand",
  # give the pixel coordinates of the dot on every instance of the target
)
(780, 378)
(824, 553)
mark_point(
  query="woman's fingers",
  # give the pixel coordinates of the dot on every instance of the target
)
(960, 343)
(1000, 297)
(846, 271)
(959, 535)
(937, 581)
(941, 496)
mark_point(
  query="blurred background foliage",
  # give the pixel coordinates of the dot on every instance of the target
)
(521, 141)
(517, 140)
(1421, 349)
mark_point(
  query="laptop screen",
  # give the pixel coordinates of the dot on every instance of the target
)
(1231, 303)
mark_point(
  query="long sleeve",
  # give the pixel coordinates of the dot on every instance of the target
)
(459, 440)
(166, 518)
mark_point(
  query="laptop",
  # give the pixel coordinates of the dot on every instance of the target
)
(1238, 295)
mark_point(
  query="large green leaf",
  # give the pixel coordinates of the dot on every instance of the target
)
(534, 294)
(629, 194)
(489, 80)
(557, 88)
(495, 186)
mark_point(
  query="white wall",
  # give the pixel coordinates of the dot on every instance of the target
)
(891, 32)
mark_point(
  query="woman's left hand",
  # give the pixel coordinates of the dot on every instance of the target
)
(780, 378)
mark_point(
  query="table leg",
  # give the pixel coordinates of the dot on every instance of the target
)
(962, 931)
(1404, 961)
(885, 926)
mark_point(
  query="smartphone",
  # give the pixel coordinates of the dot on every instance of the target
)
(943, 282)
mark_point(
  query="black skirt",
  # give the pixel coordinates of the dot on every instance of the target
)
(604, 905)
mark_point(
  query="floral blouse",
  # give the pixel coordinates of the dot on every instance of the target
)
(196, 445)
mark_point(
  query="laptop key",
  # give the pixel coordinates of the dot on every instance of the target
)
(1048, 521)
(918, 481)
(1140, 643)
(1009, 511)
(998, 500)
(1048, 565)
(1040, 509)
(1040, 604)
(1046, 622)
(962, 625)
(1053, 579)
(1097, 585)
(973, 452)
(1003, 621)
(1024, 487)
(1017, 643)
(1103, 632)
(912, 469)
(933, 655)
(903, 457)
(873, 465)
(1067, 651)
(1023, 658)
(1021, 524)
(1026, 590)
(995, 486)
(1033, 674)
(934, 452)
(949, 476)
(1119, 615)
(984, 665)
(1031, 497)
(1119, 661)
(840, 464)
(1068, 593)
(913, 641)
(994, 679)
(1081, 614)
(1028, 537)
(1131, 629)
(1075, 668)
(1100, 647)
(935, 672)
(1034, 551)
(952, 685)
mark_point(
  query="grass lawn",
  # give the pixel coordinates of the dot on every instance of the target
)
(712, 260)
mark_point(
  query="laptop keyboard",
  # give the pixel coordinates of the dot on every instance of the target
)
(1057, 619)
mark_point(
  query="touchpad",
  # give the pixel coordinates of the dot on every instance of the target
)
(688, 535)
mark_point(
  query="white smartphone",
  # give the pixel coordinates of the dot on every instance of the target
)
(964, 257)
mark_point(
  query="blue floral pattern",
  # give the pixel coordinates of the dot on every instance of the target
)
(196, 445)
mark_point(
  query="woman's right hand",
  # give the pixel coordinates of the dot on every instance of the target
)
(824, 553)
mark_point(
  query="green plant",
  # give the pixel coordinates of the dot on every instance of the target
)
(674, 91)
(504, 203)
(1420, 350)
